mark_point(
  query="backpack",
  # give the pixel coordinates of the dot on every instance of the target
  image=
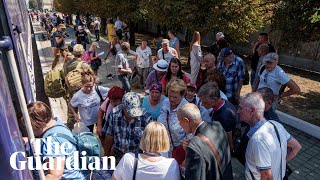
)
(73, 78)
(54, 85)
(53, 40)
(85, 141)
(86, 57)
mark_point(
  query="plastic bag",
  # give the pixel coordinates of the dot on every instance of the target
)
(79, 127)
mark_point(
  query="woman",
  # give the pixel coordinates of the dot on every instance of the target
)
(95, 61)
(174, 41)
(153, 102)
(168, 115)
(195, 56)
(174, 72)
(111, 30)
(151, 164)
(87, 100)
(114, 98)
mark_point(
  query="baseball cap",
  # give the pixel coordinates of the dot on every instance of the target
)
(191, 85)
(132, 104)
(62, 26)
(225, 52)
(80, 27)
(161, 65)
(95, 44)
(271, 57)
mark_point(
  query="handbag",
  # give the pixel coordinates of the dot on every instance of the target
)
(178, 153)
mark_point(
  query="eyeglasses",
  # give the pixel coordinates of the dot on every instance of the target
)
(265, 78)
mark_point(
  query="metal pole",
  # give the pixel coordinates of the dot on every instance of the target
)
(16, 78)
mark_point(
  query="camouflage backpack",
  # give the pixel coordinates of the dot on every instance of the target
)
(73, 78)
(54, 85)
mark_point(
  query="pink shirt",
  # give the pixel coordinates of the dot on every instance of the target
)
(103, 107)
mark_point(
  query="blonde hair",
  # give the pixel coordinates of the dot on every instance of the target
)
(87, 76)
(195, 38)
(177, 85)
(155, 138)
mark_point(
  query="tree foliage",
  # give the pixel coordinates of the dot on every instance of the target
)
(32, 4)
(299, 20)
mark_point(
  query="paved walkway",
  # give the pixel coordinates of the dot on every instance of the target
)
(306, 165)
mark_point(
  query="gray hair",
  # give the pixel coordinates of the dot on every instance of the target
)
(272, 55)
(255, 100)
(125, 46)
(209, 90)
(266, 93)
(190, 111)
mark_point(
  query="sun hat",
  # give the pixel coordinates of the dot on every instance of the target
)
(95, 44)
(161, 65)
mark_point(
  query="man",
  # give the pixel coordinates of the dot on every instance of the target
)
(263, 50)
(44, 125)
(262, 39)
(59, 38)
(265, 157)
(125, 126)
(82, 37)
(122, 66)
(268, 96)
(274, 77)
(233, 68)
(166, 52)
(214, 48)
(68, 67)
(143, 60)
(201, 162)
(209, 61)
(96, 27)
(223, 111)
(160, 69)
(119, 25)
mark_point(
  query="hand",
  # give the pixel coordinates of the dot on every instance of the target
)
(129, 70)
(185, 144)
(76, 117)
(99, 130)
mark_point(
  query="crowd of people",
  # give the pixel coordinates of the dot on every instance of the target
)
(186, 126)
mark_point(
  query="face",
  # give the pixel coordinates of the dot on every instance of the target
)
(207, 103)
(155, 95)
(165, 46)
(185, 124)
(161, 73)
(94, 46)
(270, 65)
(170, 35)
(115, 102)
(190, 93)
(261, 39)
(245, 111)
(144, 43)
(174, 98)
(87, 87)
(174, 68)
(228, 59)
(208, 62)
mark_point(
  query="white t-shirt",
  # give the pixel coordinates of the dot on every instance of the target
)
(96, 25)
(167, 56)
(143, 57)
(263, 150)
(88, 104)
(273, 79)
(165, 169)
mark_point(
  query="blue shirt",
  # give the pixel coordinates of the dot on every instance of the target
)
(233, 74)
(154, 111)
(67, 174)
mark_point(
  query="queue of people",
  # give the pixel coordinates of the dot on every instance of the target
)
(185, 127)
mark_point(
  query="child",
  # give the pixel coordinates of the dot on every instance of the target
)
(191, 96)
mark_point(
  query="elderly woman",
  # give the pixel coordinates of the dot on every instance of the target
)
(154, 101)
(150, 164)
(168, 116)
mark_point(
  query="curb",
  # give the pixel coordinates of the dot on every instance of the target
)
(299, 124)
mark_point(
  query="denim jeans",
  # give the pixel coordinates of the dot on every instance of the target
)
(125, 82)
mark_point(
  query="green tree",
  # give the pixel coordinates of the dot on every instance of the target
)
(32, 4)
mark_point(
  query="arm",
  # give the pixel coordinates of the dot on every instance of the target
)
(239, 89)
(175, 53)
(177, 47)
(56, 174)
(108, 145)
(266, 174)
(99, 122)
(124, 70)
(59, 39)
(293, 89)
(91, 56)
(193, 165)
(75, 115)
(255, 85)
(150, 62)
(293, 147)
